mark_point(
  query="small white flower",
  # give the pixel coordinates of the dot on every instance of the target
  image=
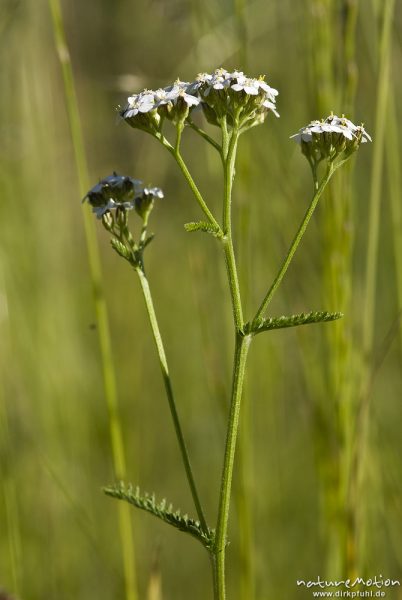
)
(189, 99)
(155, 192)
(250, 86)
(182, 90)
(145, 201)
(271, 106)
(142, 103)
(220, 79)
(271, 92)
(162, 97)
(200, 80)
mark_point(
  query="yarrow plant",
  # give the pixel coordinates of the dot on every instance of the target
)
(234, 103)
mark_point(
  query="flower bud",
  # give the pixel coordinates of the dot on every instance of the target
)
(145, 203)
(113, 192)
(108, 221)
(122, 217)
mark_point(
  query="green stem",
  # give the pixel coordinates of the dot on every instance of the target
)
(214, 564)
(295, 243)
(195, 190)
(229, 146)
(241, 350)
(175, 152)
(169, 392)
(206, 137)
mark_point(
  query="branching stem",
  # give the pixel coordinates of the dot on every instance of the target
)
(295, 242)
(242, 343)
(175, 152)
(206, 137)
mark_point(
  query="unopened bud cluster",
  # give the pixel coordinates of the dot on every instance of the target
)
(111, 200)
(120, 193)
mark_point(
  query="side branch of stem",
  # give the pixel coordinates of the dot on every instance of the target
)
(296, 241)
(170, 396)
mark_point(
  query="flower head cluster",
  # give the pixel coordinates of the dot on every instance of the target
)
(241, 99)
(121, 193)
(146, 109)
(330, 137)
(235, 96)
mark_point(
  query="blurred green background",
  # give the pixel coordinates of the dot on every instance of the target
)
(317, 487)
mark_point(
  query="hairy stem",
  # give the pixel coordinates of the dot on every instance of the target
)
(241, 350)
(169, 392)
(175, 152)
(229, 145)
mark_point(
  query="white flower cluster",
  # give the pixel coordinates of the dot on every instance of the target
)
(220, 92)
(332, 124)
(149, 100)
(329, 138)
(119, 192)
(237, 82)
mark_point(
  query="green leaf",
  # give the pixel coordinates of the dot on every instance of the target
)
(120, 248)
(148, 240)
(203, 226)
(162, 510)
(292, 321)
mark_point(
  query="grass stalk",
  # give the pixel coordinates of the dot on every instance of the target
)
(337, 248)
(11, 503)
(383, 83)
(342, 347)
(370, 295)
(102, 319)
(394, 179)
(7, 473)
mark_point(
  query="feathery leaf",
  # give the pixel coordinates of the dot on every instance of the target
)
(292, 321)
(203, 226)
(162, 510)
(120, 248)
